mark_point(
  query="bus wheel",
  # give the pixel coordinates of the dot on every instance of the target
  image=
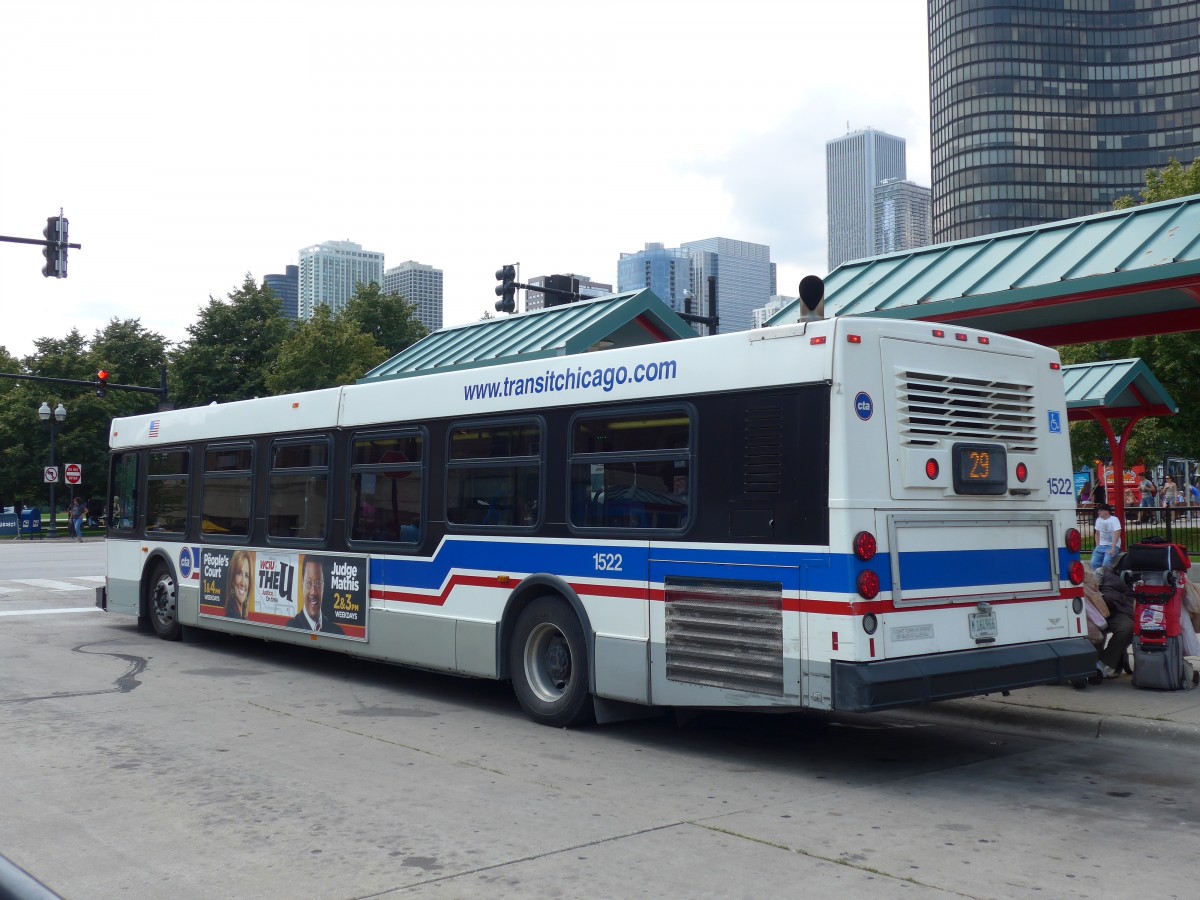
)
(163, 604)
(549, 664)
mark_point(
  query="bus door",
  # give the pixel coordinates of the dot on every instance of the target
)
(724, 629)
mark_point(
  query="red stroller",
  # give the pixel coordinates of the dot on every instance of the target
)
(1155, 572)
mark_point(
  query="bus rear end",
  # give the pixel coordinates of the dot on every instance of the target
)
(953, 501)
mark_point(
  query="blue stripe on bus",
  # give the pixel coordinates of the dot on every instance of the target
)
(823, 573)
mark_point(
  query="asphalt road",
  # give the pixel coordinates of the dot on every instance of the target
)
(232, 767)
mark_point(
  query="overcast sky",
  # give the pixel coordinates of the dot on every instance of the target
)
(190, 143)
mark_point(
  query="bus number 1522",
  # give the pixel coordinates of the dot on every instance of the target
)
(1060, 485)
(607, 562)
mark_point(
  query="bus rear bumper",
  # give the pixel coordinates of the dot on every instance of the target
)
(887, 684)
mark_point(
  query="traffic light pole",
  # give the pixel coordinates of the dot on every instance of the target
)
(161, 390)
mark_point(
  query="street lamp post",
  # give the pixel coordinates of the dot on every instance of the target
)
(60, 415)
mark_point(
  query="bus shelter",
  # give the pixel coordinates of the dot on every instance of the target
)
(626, 319)
(1115, 391)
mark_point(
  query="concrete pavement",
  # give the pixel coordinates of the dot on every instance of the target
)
(1114, 708)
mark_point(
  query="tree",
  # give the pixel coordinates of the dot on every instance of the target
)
(323, 352)
(1168, 184)
(388, 318)
(230, 348)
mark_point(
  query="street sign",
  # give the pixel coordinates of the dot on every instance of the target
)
(50, 475)
(73, 473)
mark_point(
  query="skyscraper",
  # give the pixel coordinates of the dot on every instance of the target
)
(741, 273)
(1051, 109)
(331, 271)
(854, 165)
(420, 285)
(745, 278)
(287, 288)
(902, 220)
(667, 271)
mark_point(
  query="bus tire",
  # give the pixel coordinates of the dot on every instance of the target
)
(548, 661)
(162, 604)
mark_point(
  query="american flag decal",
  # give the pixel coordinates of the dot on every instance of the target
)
(154, 428)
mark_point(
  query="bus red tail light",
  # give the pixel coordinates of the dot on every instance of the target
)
(932, 469)
(865, 546)
(1074, 540)
(868, 584)
(1075, 572)
(1022, 472)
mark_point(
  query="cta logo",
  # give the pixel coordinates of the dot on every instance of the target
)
(189, 562)
(863, 405)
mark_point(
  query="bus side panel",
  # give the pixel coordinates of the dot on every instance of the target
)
(124, 594)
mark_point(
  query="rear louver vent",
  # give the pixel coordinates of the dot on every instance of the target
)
(762, 471)
(933, 407)
(726, 634)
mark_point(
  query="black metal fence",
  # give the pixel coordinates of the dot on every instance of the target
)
(1178, 524)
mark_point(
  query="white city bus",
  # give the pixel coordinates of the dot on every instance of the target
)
(844, 514)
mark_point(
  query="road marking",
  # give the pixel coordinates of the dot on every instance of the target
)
(94, 579)
(47, 612)
(51, 585)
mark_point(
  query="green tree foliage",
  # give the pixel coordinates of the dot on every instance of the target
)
(323, 352)
(230, 348)
(1169, 183)
(130, 353)
(388, 318)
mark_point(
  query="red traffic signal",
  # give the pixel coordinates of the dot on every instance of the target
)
(101, 383)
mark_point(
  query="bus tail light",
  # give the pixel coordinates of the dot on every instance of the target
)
(865, 546)
(1075, 572)
(868, 584)
(1022, 472)
(1074, 540)
(932, 469)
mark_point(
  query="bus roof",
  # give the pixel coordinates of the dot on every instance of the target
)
(745, 360)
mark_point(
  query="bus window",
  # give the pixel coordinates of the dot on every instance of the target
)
(493, 476)
(167, 492)
(386, 487)
(298, 506)
(227, 490)
(631, 471)
(123, 514)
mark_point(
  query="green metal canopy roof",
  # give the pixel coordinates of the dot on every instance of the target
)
(1126, 273)
(617, 320)
(1120, 388)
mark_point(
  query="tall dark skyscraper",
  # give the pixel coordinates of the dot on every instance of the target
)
(1044, 110)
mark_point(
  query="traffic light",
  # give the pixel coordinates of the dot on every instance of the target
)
(506, 290)
(101, 383)
(55, 250)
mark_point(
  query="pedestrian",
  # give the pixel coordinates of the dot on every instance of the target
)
(76, 514)
(1169, 495)
(1099, 495)
(1108, 537)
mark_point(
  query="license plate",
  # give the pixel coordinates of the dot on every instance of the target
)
(982, 625)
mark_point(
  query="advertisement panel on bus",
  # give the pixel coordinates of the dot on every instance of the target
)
(315, 592)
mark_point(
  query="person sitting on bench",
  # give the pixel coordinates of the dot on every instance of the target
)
(1119, 598)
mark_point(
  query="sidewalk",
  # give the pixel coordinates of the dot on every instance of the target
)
(1114, 708)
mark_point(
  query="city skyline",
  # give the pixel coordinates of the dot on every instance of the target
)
(179, 185)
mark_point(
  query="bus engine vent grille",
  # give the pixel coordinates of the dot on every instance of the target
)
(936, 406)
(762, 470)
(725, 634)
